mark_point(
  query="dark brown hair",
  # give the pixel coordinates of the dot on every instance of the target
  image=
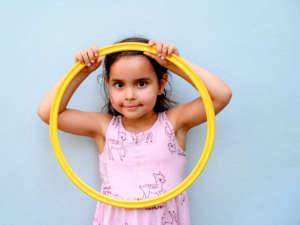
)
(163, 102)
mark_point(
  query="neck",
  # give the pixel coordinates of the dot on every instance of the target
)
(140, 124)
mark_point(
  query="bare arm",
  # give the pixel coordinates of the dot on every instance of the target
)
(45, 106)
(70, 120)
(192, 113)
(217, 89)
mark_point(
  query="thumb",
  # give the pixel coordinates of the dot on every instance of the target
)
(99, 60)
(151, 55)
(96, 64)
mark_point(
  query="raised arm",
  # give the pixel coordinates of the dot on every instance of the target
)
(70, 120)
(192, 113)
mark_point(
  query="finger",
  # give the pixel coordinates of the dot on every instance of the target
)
(95, 50)
(97, 63)
(78, 57)
(153, 56)
(151, 43)
(99, 60)
(159, 45)
(150, 55)
(171, 49)
(91, 55)
(164, 51)
(176, 52)
(86, 57)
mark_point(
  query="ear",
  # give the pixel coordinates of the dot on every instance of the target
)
(106, 80)
(162, 83)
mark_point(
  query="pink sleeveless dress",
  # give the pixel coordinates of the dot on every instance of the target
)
(137, 166)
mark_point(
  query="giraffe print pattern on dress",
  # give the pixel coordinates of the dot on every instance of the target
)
(117, 145)
(150, 163)
(154, 188)
(171, 135)
(149, 137)
(173, 216)
(135, 137)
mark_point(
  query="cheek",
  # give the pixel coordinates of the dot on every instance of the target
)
(116, 98)
(148, 97)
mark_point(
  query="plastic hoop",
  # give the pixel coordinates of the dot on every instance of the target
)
(211, 130)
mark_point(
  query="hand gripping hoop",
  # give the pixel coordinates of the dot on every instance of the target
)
(211, 130)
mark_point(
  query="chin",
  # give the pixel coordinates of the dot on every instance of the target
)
(133, 115)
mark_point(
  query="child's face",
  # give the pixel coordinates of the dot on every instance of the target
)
(133, 82)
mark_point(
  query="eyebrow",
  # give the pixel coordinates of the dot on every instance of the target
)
(140, 79)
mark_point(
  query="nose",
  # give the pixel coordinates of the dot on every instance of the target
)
(130, 93)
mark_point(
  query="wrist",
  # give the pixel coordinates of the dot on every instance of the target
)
(175, 69)
(83, 74)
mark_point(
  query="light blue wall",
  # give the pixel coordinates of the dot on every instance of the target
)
(253, 175)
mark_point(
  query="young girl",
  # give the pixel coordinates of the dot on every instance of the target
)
(141, 139)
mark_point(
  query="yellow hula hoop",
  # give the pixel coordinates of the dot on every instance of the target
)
(211, 130)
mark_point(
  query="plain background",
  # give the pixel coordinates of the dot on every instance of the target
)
(253, 175)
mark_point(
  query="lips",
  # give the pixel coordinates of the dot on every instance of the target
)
(131, 107)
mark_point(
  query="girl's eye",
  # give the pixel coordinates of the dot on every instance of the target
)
(142, 84)
(119, 85)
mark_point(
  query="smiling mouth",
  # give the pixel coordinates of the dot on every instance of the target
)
(132, 107)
